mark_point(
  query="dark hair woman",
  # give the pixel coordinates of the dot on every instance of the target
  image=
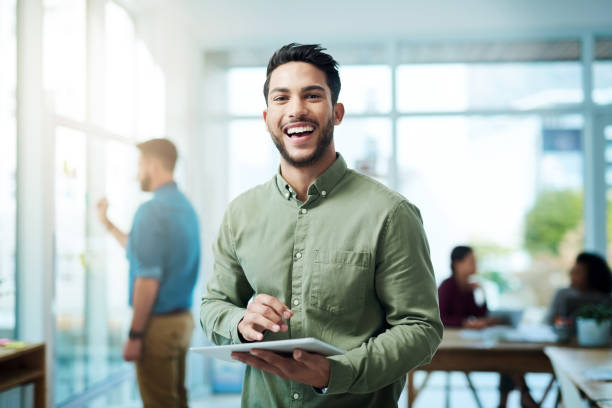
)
(590, 283)
(458, 306)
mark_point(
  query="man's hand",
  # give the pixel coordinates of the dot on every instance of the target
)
(132, 349)
(102, 208)
(307, 368)
(265, 312)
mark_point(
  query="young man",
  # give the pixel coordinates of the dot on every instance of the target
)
(322, 251)
(163, 249)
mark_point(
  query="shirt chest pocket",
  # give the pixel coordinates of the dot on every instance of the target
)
(340, 280)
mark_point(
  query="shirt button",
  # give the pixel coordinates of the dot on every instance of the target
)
(296, 396)
(303, 211)
(287, 195)
(296, 302)
(298, 255)
(323, 193)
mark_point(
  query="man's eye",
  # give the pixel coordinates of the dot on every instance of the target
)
(280, 98)
(313, 96)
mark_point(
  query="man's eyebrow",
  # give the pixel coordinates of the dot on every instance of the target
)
(313, 88)
(305, 89)
(279, 90)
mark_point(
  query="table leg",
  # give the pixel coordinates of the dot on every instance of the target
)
(39, 393)
(471, 385)
(411, 395)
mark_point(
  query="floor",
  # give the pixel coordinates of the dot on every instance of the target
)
(434, 393)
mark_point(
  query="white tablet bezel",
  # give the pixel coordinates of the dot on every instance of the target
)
(309, 344)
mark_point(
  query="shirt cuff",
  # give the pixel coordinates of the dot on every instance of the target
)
(237, 316)
(341, 375)
(149, 272)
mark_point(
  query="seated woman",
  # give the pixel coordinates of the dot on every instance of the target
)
(458, 308)
(591, 283)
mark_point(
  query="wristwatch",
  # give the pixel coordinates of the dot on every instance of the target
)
(321, 390)
(134, 335)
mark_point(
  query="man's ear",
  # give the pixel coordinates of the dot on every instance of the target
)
(265, 114)
(338, 113)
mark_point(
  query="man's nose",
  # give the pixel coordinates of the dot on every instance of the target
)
(297, 108)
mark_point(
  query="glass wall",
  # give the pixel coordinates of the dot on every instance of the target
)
(498, 183)
(602, 71)
(8, 164)
(95, 157)
(489, 150)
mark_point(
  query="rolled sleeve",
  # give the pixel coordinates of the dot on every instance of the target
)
(148, 243)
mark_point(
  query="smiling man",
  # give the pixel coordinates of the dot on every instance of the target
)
(321, 251)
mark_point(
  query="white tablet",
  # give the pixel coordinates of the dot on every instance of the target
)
(279, 346)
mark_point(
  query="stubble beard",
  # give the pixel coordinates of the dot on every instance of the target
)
(327, 136)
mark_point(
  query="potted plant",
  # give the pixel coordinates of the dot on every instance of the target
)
(593, 325)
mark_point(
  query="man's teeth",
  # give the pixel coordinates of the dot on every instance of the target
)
(299, 130)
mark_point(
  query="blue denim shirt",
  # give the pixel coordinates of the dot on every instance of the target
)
(164, 244)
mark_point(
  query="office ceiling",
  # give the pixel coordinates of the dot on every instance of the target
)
(236, 23)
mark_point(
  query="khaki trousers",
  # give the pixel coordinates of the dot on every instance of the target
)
(161, 369)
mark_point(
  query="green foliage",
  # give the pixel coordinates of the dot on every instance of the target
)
(498, 279)
(599, 312)
(553, 214)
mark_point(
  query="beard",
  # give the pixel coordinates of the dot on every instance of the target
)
(145, 184)
(327, 136)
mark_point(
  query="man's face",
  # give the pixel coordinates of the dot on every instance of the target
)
(144, 173)
(300, 115)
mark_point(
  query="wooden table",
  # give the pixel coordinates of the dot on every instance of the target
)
(24, 366)
(574, 361)
(466, 355)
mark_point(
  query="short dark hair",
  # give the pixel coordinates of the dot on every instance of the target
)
(162, 149)
(458, 254)
(599, 277)
(312, 54)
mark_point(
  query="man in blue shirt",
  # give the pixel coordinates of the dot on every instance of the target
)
(163, 249)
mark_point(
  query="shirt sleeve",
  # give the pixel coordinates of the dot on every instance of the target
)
(148, 246)
(555, 307)
(227, 292)
(406, 287)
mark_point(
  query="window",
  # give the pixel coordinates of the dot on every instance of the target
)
(8, 164)
(602, 71)
(64, 35)
(91, 287)
(497, 183)
(459, 87)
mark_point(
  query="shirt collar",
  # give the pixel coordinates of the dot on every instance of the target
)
(323, 185)
(170, 186)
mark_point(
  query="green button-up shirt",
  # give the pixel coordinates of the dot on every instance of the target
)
(353, 264)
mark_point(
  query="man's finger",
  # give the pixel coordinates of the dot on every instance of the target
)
(308, 359)
(270, 301)
(258, 363)
(264, 323)
(282, 364)
(266, 311)
(250, 334)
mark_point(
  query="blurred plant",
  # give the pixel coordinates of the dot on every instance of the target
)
(598, 312)
(553, 214)
(502, 283)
